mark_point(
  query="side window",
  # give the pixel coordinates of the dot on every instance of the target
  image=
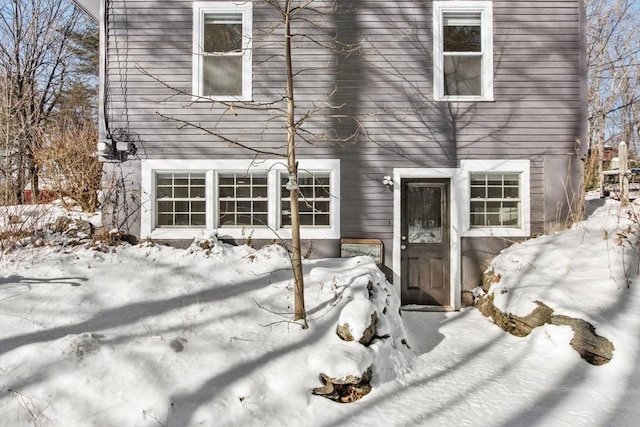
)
(242, 200)
(314, 199)
(463, 51)
(495, 200)
(222, 50)
(180, 199)
(497, 194)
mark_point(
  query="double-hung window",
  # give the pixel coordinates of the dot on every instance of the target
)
(314, 196)
(497, 197)
(180, 199)
(222, 50)
(463, 51)
(242, 199)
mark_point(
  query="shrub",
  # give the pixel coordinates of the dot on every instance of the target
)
(69, 166)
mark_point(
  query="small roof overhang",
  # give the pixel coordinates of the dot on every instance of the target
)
(91, 7)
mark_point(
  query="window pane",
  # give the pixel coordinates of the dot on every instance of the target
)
(243, 219)
(478, 192)
(243, 192)
(322, 206)
(226, 180)
(260, 192)
(424, 213)
(463, 75)
(461, 37)
(197, 192)
(260, 220)
(163, 192)
(222, 75)
(305, 180)
(512, 179)
(495, 179)
(509, 213)
(198, 219)
(493, 219)
(322, 220)
(322, 192)
(182, 206)
(260, 206)
(494, 192)
(477, 207)
(223, 32)
(306, 219)
(164, 179)
(181, 180)
(243, 206)
(165, 206)
(495, 200)
(259, 180)
(477, 219)
(198, 207)
(197, 180)
(165, 219)
(181, 192)
(305, 207)
(511, 192)
(182, 219)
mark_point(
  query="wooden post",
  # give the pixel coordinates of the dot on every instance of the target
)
(624, 177)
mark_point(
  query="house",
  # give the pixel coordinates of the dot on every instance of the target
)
(446, 130)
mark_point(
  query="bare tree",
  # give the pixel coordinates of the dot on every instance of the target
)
(613, 55)
(36, 64)
(299, 119)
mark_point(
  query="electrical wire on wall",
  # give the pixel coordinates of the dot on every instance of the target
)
(123, 140)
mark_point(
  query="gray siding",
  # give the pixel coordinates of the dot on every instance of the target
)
(385, 87)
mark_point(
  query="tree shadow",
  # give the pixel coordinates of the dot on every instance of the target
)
(422, 328)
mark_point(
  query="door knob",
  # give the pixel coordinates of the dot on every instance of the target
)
(403, 247)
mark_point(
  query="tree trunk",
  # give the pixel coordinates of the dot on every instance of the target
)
(296, 256)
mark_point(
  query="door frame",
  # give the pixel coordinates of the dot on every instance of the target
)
(455, 224)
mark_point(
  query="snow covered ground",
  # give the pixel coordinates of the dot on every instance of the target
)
(156, 336)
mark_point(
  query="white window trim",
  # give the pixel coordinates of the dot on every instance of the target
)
(199, 10)
(211, 168)
(485, 8)
(496, 166)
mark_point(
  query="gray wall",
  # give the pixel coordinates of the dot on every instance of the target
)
(384, 85)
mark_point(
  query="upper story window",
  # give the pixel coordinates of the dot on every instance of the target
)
(222, 50)
(463, 51)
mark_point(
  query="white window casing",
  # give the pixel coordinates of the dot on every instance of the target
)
(203, 10)
(463, 13)
(520, 167)
(213, 169)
